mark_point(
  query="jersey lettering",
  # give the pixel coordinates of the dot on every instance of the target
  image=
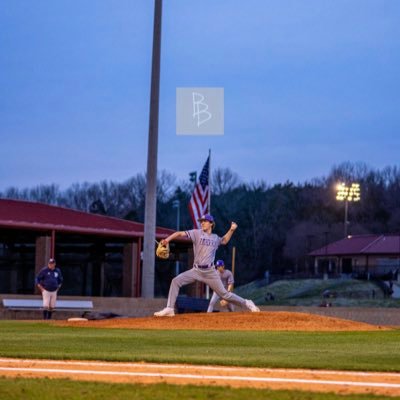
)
(208, 242)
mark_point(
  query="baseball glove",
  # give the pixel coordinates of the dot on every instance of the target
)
(223, 303)
(162, 251)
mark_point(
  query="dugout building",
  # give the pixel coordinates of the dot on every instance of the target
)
(98, 255)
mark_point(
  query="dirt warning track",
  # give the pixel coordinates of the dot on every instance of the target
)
(344, 382)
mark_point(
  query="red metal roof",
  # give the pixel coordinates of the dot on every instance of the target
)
(361, 244)
(44, 217)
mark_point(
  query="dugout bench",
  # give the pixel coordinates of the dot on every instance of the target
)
(30, 305)
(185, 304)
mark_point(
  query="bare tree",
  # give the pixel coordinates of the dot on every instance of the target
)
(48, 194)
(224, 180)
(166, 186)
(349, 172)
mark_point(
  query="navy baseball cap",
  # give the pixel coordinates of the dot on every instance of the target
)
(206, 217)
(52, 261)
(220, 263)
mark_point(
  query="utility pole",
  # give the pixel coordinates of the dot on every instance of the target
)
(151, 175)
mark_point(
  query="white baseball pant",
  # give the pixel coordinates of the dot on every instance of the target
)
(49, 299)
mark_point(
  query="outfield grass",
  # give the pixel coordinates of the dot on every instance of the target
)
(60, 389)
(369, 351)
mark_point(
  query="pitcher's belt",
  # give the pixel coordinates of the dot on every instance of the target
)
(207, 266)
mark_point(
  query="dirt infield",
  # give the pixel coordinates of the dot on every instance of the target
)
(245, 321)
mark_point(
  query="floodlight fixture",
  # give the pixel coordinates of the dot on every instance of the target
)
(347, 193)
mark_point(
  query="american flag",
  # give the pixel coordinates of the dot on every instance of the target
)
(199, 201)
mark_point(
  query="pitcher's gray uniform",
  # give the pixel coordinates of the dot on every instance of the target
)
(205, 244)
(226, 277)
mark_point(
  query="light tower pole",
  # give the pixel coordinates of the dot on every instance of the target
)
(151, 175)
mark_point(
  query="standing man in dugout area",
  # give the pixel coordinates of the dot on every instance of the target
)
(205, 245)
(49, 281)
(227, 280)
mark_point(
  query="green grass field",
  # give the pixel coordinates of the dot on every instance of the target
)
(368, 351)
(59, 389)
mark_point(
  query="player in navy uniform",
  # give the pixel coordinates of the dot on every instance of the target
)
(205, 244)
(49, 281)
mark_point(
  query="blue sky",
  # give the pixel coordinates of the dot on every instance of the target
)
(308, 84)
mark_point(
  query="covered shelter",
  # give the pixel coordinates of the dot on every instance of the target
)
(360, 256)
(98, 255)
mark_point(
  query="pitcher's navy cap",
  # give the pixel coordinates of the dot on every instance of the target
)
(220, 263)
(52, 261)
(206, 217)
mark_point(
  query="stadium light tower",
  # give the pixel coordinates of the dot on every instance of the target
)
(347, 194)
(148, 275)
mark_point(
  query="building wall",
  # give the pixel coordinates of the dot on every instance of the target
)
(91, 266)
(380, 266)
(17, 261)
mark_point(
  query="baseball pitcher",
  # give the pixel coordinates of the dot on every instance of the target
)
(205, 244)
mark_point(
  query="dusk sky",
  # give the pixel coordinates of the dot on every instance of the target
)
(307, 83)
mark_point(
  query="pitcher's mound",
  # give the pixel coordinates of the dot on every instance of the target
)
(244, 321)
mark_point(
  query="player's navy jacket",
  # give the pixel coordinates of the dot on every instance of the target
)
(50, 279)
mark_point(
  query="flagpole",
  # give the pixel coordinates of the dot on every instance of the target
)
(209, 204)
(209, 181)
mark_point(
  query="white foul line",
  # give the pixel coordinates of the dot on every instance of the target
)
(214, 377)
(203, 367)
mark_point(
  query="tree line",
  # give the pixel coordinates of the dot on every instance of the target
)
(278, 224)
